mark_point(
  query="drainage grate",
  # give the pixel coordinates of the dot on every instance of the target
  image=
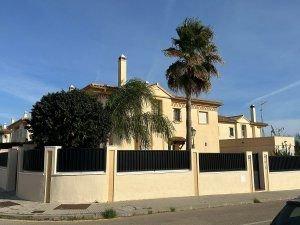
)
(72, 206)
(7, 204)
(38, 211)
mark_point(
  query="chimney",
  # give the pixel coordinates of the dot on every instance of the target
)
(122, 70)
(12, 120)
(4, 126)
(25, 116)
(253, 113)
(72, 87)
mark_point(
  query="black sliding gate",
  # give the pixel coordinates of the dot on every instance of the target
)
(256, 172)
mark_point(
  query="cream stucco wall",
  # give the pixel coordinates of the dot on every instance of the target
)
(5, 138)
(79, 188)
(134, 186)
(31, 186)
(224, 131)
(213, 183)
(287, 180)
(255, 145)
(20, 135)
(252, 131)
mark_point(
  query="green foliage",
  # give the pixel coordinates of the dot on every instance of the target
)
(297, 144)
(129, 118)
(197, 56)
(256, 200)
(109, 213)
(76, 119)
(69, 119)
(172, 209)
(283, 150)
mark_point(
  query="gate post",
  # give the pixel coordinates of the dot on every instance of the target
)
(195, 171)
(249, 161)
(111, 172)
(265, 169)
(50, 160)
(11, 169)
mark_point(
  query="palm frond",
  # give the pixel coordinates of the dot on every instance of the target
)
(129, 118)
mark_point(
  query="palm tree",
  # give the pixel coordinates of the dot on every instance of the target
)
(129, 118)
(196, 56)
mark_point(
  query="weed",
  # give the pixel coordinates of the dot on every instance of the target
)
(256, 200)
(109, 213)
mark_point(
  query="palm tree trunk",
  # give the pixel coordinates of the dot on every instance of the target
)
(188, 121)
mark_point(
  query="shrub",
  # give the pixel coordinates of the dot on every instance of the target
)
(172, 209)
(256, 200)
(109, 213)
(69, 119)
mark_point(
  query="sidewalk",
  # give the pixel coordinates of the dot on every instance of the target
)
(12, 207)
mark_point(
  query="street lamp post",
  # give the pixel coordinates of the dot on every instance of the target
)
(193, 135)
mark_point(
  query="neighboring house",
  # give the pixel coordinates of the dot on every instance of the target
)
(16, 131)
(204, 116)
(5, 134)
(239, 134)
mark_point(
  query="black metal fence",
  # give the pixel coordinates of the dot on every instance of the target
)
(33, 160)
(81, 159)
(213, 162)
(3, 159)
(130, 161)
(284, 163)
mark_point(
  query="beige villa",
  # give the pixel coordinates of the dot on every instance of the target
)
(204, 116)
(16, 131)
(211, 132)
(240, 134)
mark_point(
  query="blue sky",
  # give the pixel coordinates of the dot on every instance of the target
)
(47, 45)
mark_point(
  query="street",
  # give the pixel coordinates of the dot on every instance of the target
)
(250, 214)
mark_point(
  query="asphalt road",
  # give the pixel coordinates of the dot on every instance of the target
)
(252, 214)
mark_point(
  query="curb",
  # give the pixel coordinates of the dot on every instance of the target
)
(122, 213)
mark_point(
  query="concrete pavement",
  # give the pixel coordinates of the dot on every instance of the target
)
(249, 214)
(11, 207)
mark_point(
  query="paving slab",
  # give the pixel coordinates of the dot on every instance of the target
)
(16, 208)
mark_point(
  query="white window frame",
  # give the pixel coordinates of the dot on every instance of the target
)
(207, 117)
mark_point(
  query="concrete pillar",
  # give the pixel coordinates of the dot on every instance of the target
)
(11, 169)
(111, 170)
(249, 161)
(50, 161)
(265, 170)
(195, 171)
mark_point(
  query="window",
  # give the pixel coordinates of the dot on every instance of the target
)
(158, 109)
(176, 115)
(244, 131)
(203, 117)
(231, 132)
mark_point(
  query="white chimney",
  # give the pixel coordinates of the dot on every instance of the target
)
(25, 116)
(72, 87)
(253, 113)
(12, 120)
(4, 126)
(122, 70)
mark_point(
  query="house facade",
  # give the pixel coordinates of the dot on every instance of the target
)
(5, 134)
(204, 116)
(16, 131)
(240, 134)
